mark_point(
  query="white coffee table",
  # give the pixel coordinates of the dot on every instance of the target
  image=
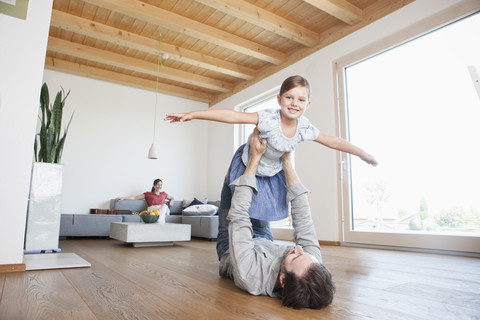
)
(141, 234)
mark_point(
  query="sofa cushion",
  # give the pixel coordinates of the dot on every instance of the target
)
(176, 208)
(215, 203)
(200, 210)
(195, 201)
(128, 205)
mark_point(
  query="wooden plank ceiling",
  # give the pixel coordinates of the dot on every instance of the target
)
(215, 48)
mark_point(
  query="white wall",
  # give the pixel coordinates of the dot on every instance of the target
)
(316, 165)
(105, 154)
(22, 58)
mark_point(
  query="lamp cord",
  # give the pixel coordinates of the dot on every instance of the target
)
(156, 89)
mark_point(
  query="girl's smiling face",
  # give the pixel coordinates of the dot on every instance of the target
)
(294, 102)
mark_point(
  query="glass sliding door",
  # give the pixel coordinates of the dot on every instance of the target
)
(416, 109)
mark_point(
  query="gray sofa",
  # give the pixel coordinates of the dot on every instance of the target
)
(98, 225)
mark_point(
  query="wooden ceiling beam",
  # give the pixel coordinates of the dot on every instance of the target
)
(158, 16)
(103, 32)
(340, 9)
(131, 81)
(118, 60)
(372, 13)
(246, 11)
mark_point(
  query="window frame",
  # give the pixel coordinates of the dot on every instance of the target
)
(415, 240)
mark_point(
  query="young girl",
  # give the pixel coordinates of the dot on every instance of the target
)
(284, 129)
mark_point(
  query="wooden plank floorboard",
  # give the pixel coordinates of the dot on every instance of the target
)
(447, 296)
(182, 282)
(2, 281)
(383, 277)
(224, 296)
(406, 303)
(403, 258)
(177, 258)
(164, 273)
(113, 296)
(400, 260)
(462, 273)
(162, 283)
(445, 289)
(354, 310)
(41, 295)
(118, 287)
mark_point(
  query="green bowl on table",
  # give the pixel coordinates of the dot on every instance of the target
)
(149, 218)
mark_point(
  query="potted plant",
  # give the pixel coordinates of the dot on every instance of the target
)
(43, 219)
(51, 145)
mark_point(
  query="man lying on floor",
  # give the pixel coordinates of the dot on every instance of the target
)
(258, 265)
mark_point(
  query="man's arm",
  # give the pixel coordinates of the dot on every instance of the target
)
(291, 177)
(241, 244)
(257, 149)
(304, 230)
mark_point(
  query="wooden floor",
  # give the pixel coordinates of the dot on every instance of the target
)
(182, 282)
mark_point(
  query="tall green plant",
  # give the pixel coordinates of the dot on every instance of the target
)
(50, 139)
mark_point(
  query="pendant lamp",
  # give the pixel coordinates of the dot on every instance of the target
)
(152, 152)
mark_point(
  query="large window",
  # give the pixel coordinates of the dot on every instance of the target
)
(416, 109)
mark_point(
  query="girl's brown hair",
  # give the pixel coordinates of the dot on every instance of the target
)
(293, 82)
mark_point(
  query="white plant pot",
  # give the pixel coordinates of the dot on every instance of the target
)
(44, 207)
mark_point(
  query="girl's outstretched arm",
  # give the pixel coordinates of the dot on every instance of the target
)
(345, 146)
(220, 115)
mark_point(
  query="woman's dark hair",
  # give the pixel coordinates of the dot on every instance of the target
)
(314, 290)
(293, 82)
(155, 182)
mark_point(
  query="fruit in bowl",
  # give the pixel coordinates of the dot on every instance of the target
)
(149, 216)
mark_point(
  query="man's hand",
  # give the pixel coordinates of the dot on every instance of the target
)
(286, 158)
(257, 149)
(291, 177)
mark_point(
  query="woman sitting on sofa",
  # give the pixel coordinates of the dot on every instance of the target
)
(155, 200)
